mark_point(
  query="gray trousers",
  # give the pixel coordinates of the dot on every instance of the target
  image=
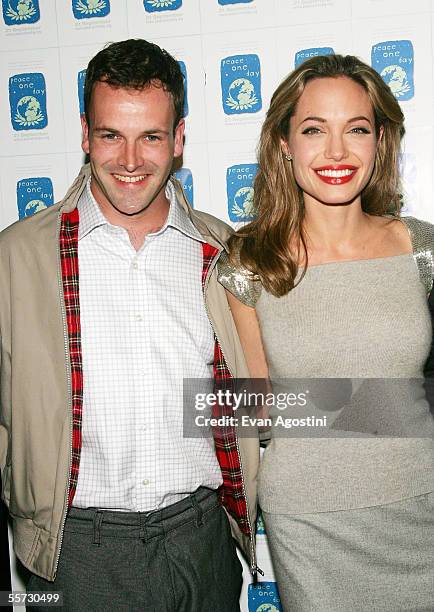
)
(181, 558)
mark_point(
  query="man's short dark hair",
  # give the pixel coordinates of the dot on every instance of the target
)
(135, 63)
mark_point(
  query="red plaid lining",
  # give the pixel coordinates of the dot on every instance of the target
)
(69, 264)
(232, 492)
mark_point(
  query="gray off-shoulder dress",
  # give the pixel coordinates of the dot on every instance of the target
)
(349, 512)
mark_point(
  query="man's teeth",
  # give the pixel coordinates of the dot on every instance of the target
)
(129, 179)
(335, 173)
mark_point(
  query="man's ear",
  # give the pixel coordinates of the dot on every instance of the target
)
(85, 134)
(179, 139)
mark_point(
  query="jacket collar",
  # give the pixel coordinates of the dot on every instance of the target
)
(199, 220)
(92, 217)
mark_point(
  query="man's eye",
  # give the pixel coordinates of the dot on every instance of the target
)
(110, 136)
(152, 138)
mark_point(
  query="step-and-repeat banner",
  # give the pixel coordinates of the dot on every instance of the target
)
(233, 54)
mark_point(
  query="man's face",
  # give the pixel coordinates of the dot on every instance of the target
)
(131, 143)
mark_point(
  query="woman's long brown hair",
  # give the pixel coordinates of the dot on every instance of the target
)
(273, 244)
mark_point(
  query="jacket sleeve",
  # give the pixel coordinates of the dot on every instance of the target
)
(4, 405)
(429, 365)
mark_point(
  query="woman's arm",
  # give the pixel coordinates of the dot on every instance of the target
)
(249, 332)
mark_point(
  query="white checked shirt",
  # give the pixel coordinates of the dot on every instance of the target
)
(144, 328)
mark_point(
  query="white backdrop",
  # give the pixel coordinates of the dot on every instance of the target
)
(233, 53)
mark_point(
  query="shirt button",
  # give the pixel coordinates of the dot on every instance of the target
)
(135, 265)
(138, 318)
(145, 482)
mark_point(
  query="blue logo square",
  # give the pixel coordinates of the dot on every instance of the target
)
(304, 54)
(241, 84)
(33, 195)
(20, 12)
(184, 78)
(28, 101)
(153, 6)
(260, 526)
(264, 597)
(88, 9)
(224, 2)
(239, 189)
(185, 177)
(81, 77)
(394, 61)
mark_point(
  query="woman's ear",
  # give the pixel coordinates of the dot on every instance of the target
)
(380, 135)
(285, 147)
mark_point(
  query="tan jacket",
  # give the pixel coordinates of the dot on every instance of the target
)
(35, 394)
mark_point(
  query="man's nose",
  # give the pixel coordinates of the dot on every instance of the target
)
(131, 157)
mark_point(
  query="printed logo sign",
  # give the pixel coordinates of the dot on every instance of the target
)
(239, 188)
(264, 597)
(152, 6)
(224, 2)
(241, 84)
(87, 9)
(304, 54)
(184, 78)
(81, 76)
(18, 12)
(394, 61)
(260, 527)
(33, 195)
(28, 101)
(186, 179)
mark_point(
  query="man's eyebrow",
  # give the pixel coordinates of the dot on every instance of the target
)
(106, 129)
(113, 131)
(156, 131)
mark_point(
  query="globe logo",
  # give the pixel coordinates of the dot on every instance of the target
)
(241, 84)
(28, 113)
(243, 202)
(24, 11)
(267, 607)
(161, 4)
(90, 8)
(33, 207)
(241, 95)
(396, 78)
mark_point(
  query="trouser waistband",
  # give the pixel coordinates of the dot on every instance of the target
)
(143, 525)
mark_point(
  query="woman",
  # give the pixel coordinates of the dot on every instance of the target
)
(338, 283)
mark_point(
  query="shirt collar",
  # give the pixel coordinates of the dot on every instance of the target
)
(91, 216)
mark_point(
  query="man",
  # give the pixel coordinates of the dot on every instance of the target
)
(110, 299)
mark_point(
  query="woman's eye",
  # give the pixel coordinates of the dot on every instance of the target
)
(311, 130)
(360, 130)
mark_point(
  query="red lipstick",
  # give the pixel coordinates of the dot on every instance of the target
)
(337, 174)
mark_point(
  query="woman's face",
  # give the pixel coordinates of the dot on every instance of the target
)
(332, 141)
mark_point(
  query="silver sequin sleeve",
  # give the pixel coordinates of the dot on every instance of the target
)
(422, 238)
(239, 281)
